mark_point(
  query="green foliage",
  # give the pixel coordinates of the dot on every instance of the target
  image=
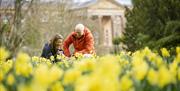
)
(153, 23)
(116, 41)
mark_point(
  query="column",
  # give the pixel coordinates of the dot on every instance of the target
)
(113, 26)
(101, 32)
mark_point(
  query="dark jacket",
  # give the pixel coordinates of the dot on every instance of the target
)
(48, 51)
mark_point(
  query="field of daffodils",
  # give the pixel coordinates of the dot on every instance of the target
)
(143, 70)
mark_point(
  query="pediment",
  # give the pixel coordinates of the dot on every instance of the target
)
(105, 4)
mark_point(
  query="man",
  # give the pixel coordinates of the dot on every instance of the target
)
(82, 40)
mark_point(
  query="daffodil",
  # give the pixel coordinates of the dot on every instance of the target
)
(58, 57)
(10, 79)
(126, 84)
(3, 54)
(165, 52)
(43, 59)
(52, 58)
(6, 66)
(35, 59)
(78, 55)
(159, 61)
(90, 83)
(152, 77)
(152, 57)
(124, 62)
(1, 75)
(49, 63)
(105, 77)
(177, 59)
(82, 83)
(66, 64)
(22, 58)
(2, 87)
(165, 77)
(71, 76)
(57, 87)
(146, 51)
(178, 50)
(55, 73)
(108, 66)
(41, 75)
(24, 69)
(173, 67)
(140, 71)
(24, 87)
(95, 85)
(85, 65)
(23, 66)
(178, 73)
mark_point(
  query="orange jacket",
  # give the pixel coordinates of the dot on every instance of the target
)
(84, 44)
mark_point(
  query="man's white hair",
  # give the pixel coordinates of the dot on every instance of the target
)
(79, 27)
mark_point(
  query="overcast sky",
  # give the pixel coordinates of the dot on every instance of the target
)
(128, 2)
(121, 1)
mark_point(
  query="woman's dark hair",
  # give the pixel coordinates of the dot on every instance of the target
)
(52, 44)
(54, 39)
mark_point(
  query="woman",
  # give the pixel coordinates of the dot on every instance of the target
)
(53, 48)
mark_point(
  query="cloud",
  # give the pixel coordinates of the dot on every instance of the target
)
(82, 0)
(127, 2)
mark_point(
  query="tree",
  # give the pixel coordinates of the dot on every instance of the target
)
(116, 41)
(11, 32)
(153, 23)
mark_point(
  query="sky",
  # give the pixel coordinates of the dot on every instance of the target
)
(127, 2)
(121, 1)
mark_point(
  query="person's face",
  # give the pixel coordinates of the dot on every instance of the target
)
(79, 33)
(59, 43)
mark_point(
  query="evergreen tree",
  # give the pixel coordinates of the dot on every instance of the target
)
(153, 23)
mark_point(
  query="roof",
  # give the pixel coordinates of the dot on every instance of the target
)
(93, 2)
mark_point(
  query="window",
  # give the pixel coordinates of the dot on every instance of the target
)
(107, 37)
